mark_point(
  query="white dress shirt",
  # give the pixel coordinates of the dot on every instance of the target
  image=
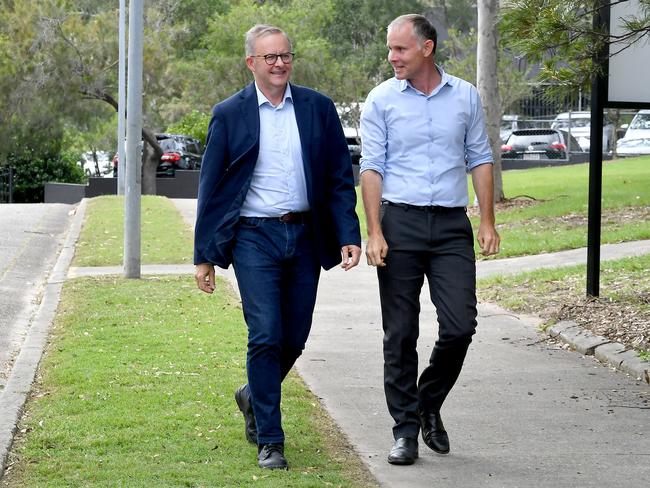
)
(278, 185)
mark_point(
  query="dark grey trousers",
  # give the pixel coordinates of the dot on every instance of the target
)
(436, 243)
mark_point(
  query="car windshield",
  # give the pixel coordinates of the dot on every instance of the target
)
(640, 121)
(575, 122)
(534, 138)
(506, 124)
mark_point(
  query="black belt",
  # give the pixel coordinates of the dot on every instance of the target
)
(434, 209)
(288, 218)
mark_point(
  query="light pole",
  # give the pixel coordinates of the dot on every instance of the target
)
(133, 181)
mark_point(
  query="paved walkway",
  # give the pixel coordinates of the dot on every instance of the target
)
(524, 413)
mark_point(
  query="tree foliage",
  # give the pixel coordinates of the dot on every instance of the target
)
(59, 62)
(459, 50)
(559, 34)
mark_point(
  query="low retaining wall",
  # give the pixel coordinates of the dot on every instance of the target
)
(184, 185)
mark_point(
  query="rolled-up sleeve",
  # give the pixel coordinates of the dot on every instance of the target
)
(373, 136)
(477, 144)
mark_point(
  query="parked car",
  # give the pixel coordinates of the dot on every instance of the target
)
(354, 143)
(510, 123)
(349, 115)
(637, 136)
(578, 124)
(103, 169)
(633, 147)
(535, 144)
(179, 152)
(640, 126)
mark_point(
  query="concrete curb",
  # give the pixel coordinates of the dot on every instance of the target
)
(609, 352)
(24, 370)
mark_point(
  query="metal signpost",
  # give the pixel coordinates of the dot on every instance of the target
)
(621, 85)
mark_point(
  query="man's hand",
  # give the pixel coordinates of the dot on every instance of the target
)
(204, 276)
(488, 239)
(350, 256)
(376, 250)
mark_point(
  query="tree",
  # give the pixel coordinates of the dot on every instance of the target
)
(559, 35)
(64, 56)
(487, 83)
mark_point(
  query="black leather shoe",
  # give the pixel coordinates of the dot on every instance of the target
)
(271, 456)
(243, 399)
(404, 451)
(434, 434)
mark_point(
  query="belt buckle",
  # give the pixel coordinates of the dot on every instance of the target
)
(288, 217)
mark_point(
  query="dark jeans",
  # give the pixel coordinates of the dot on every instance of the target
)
(437, 244)
(277, 272)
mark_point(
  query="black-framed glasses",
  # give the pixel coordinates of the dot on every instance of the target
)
(271, 59)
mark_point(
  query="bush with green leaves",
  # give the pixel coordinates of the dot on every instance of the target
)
(194, 124)
(33, 167)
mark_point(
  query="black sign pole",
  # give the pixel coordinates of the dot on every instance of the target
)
(596, 161)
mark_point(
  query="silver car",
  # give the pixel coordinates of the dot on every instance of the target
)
(578, 124)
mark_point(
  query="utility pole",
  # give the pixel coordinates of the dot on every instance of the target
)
(121, 100)
(133, 175)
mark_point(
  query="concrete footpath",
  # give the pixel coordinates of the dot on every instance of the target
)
(525, 412)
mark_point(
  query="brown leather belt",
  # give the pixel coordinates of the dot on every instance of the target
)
(288, 218)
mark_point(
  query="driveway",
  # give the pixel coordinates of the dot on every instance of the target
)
(31, 237)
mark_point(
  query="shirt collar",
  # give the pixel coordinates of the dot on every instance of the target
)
(444, 80)
(261, 98)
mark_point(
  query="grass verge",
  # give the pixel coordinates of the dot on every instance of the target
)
(165, 237)
(136, 389)
(621, 313)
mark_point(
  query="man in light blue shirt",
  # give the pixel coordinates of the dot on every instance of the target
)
(421, 132)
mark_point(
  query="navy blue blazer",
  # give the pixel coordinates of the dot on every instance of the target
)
(231, 152)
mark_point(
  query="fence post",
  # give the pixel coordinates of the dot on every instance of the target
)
(11, 184)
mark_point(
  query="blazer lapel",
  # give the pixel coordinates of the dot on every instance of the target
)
(303, 110)
(250, 112)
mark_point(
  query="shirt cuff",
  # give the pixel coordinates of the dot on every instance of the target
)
(479, 162)
(366, 165)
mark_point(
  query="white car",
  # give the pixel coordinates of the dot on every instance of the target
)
(578, 124)
(637, 136)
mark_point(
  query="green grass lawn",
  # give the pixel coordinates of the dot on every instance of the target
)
(136, 389)
(557, 218)
(165, 239)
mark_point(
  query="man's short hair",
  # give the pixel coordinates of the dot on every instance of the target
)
(262, 30)
(422, 28)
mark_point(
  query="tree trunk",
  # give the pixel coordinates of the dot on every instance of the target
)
(151, 152)
(488, 83)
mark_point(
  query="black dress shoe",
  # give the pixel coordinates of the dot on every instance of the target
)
(271, 456)
(243, 399)
(404, 451)
(434, 434)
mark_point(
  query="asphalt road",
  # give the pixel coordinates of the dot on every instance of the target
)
(30, 238)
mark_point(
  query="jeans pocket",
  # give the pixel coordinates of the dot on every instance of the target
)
(249, 222)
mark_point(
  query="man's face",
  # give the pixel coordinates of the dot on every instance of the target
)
(275, 76)
(405, 54)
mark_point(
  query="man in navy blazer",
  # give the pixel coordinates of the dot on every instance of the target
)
(276, 200)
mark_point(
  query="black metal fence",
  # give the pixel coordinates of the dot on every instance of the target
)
(6, 184)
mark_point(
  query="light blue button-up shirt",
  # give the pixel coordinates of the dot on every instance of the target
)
(424, 145)
(278, 185)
